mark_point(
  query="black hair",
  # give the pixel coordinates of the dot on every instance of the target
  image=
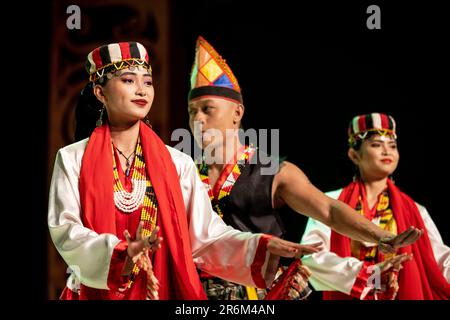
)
(358, 143)
(357, 147)
(87, 111)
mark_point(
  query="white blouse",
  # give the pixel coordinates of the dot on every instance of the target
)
(216, 248)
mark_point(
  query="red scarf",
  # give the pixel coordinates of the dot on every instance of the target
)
(173, 263)
(420, 278)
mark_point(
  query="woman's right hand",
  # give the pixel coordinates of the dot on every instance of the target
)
(140, 243)
(395, 263)
(389, 276)
(138, 253)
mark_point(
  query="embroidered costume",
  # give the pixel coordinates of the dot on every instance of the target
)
(92, 201)
(242, 195)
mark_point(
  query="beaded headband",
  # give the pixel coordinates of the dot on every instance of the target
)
(116, 56)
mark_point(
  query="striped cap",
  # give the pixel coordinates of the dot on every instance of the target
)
(116, 56)
(361, 125)
(211, 76)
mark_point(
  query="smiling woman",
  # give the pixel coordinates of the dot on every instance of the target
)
(127, 96)
(115, 89)
(343, 269)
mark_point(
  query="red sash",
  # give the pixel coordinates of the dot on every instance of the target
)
(173, 263)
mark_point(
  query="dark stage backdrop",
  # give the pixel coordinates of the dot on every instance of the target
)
(308, 69)
(305, 69)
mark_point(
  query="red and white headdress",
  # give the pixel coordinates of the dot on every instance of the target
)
(116, 56)
(362, 125)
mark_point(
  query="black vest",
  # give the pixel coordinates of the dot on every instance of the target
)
(249, 207)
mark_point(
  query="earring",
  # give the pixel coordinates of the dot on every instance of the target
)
(99, 122)
(392, 178)
(147, 122)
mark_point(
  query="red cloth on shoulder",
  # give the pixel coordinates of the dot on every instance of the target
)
(173, 263)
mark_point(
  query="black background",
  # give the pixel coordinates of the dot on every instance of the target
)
(308, 69)
(304, 68)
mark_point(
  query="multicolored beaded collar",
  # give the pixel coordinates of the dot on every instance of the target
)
(222, 189)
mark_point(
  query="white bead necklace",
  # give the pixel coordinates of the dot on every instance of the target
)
(125, 201)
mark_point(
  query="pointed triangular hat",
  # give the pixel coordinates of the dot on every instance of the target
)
(211, 76)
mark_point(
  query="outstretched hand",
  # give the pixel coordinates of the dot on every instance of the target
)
(390, 245)
(389, 276)
(289, 249)
(395, 263)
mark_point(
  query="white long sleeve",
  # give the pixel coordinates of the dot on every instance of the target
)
(329, 271)
(82, 249)
(440, 250)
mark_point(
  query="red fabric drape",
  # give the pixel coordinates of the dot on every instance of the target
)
(421, 278)
(173, 263)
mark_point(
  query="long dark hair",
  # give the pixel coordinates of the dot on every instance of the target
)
(87, 112)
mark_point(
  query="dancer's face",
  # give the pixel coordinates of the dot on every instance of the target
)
(211, 119)
(377, 158)
(128, 95)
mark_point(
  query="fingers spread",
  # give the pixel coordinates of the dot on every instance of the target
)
(156, 244)
(402, 258)
(154, 233)
(139, 230)
(127, 236)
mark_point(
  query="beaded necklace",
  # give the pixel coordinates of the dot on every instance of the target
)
(149, 209)
(383, 217)
(127, 160)
(125, 201)
(226, 181)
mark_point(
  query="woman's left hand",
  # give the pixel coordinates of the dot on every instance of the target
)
(289, 249)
